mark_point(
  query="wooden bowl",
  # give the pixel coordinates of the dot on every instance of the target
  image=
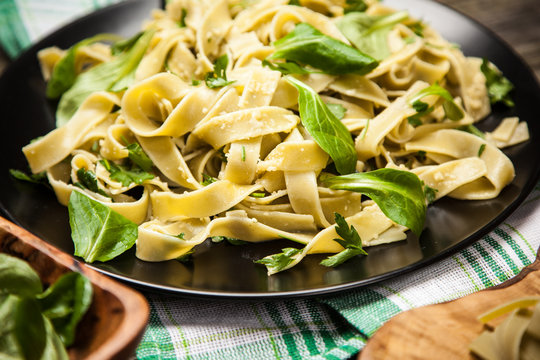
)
(115, 322)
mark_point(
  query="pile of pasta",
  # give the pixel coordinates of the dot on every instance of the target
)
(236, 162)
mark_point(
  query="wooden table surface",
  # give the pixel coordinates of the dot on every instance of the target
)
(517, 22)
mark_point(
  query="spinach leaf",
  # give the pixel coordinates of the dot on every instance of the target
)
(369, 33)
(399, 194)
(126, 44)
(88, 180)
(307, 45)
(471, 129)
(64, 73)
(65, 303)
(451, 110)
(325, 128)
(277, 262)
(287, 67)
(337, 109)
(29, 328)
(218, 77)
(25, 333)
(40, 178)
(114, 75)
(124, 175)
(350, 240)
(355, 5)
(498, 86)
(98, 232)
(17, 277)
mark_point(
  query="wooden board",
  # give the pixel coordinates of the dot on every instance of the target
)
(115, 322)
(444, 331)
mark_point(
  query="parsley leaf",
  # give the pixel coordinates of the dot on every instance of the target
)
(207, 180)
(430, 193)
(350, 240)
(182, 21)
(277, 262)
(218, 77)
(124, 175)
(139, 157)
(232, 241)
(307, 45)
(399, 194)
(498, 86)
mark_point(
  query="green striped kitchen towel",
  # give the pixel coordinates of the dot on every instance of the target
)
(329, 328)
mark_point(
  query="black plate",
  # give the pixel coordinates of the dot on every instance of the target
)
(223, 270)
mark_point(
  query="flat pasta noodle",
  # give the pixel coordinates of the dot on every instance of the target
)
(198, 147)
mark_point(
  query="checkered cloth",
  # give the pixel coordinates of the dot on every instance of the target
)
(332, 328)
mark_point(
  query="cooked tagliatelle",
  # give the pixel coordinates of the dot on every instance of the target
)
(261, 120)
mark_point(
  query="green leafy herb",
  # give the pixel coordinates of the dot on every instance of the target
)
(180, 236)
(257, 195)
(287, 67)
(98, 232)
(232, 241)
(307, 45)
(295, 2)
(88, 180)
(481, 149)
(369, 33)
(498, 86)
(115, 75)
(337, 109)
(35, 323)
(350, 240)
(65, 303)
(182, 21)
(218, 77)
(207, 180)
(124, 175)
(40, 178)
(399, 194)
(139, 157)
(195, 82)
(64, 72)
(355, 5)
(451, 110)
(243, 153)
(325, 128)
(126, 44)
(17, 277)
(277, 262)
(418, 28)
(430, 193)
(471, 129)
(187, 257)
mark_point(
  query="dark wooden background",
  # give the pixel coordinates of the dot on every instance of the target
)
(515, 21)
